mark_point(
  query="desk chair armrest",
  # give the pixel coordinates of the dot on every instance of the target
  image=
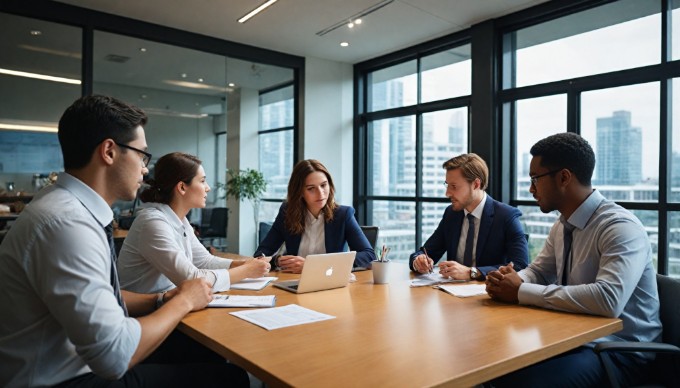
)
(623, 346)
(602, 350)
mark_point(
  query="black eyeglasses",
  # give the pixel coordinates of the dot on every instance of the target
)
(146, 157)
(534, 178)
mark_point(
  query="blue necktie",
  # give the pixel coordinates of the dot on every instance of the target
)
(114, 273)
(469, 241)
(566, 252)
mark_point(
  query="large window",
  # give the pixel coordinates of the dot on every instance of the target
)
(608, 70)
(600, 72)
(416, 119)
(276, 146)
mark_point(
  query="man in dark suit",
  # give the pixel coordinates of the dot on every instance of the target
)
(477, 233)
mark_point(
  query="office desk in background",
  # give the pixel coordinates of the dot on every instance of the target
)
(393, 335)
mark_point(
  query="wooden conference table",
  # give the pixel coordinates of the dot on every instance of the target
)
(393, 335)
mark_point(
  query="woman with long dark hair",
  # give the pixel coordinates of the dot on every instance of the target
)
(311, 222)
(161, 249)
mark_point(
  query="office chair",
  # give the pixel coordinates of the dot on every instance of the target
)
(371, 233)
(216, 228)
(265, 227)
(667, 363)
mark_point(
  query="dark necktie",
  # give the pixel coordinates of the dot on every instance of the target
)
(566, 253)
(114, 273)
(469, 241)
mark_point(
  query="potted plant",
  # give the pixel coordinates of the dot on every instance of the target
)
(247, 184)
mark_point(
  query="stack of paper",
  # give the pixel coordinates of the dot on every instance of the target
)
(253, 284)
(432, 279)
(243, 301)
(464, 291)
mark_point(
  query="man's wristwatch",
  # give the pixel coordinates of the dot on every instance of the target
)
(474, 273)
(160, 300)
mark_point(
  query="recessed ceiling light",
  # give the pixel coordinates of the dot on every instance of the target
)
(231, 84)
(36, 32)
(200, 80)
(358, 21)
(344, 44)
(350, 25)
(142, 49)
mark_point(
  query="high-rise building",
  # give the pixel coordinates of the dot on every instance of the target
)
(619, 151)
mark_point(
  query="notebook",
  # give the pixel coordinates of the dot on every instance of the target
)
(322, 272)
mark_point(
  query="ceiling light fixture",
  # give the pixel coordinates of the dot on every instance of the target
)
(36, 32)
(344, 44)
(33, 127)
(40, 76)
(142, 49)
(257, 10)
(355, 17)
(358, 21)
(350, 25)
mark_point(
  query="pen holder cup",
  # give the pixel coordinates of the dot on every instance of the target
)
(380, 271)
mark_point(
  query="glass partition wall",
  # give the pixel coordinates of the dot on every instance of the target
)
(200, 93)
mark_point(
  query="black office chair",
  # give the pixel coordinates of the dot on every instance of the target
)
(371, 233)
(265, 227)
(666, 366)
(215, 228)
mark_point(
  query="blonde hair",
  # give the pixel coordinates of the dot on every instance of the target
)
(471, 167)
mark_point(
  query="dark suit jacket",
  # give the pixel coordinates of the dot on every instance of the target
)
(501, 238)
(343, 230)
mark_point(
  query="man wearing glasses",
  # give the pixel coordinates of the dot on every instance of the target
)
(477, 233)
(65, 320)
(596, 260)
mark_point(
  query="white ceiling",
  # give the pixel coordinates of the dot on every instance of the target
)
(290, 26)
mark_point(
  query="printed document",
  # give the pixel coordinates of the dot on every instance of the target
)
(253, 284)
(464, 290)
(430, 279)
(278, 317)
(243, 301)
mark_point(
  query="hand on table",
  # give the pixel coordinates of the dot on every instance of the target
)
(454, 270)
(292, 264)
(503, 285)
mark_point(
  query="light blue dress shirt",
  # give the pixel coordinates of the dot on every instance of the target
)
(611, 271)
(60, 318)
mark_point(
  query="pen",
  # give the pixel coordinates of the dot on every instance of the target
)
(428, 259)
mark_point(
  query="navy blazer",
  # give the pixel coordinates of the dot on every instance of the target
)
(501, 238)
(343, 230)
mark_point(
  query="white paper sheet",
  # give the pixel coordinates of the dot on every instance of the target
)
(278, 317)
(464, 290)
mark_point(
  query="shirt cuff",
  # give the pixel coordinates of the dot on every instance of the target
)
(531, 294)
(223, 281)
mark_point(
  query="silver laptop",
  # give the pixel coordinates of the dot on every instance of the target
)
(322, 272)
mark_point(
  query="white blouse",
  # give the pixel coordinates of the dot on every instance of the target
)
(161, 251)
(313, 240)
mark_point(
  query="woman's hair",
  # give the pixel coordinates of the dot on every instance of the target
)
(169, 170)
(297, 207)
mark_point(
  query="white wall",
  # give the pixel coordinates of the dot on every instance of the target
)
(328, 131)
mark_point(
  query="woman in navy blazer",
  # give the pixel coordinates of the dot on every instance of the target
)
(311, 222)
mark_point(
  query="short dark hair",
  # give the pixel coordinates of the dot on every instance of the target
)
(169, 170)
(567, 150)
(92, 119)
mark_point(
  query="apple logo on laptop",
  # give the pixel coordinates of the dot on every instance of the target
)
(329, 271)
